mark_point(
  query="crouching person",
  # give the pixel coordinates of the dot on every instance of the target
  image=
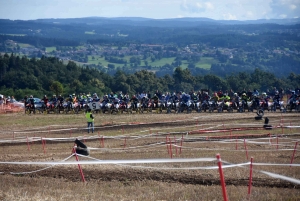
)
(81, 148)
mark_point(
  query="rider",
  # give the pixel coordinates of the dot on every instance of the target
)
(60, 100)
(244, 99)
(276, 99)
(155, 99)
(53, 100)
(163, 100)
(144, 102)
(134, 100)
(185, 98)
(104, 101)
(266, 99)
(194, 98)
(45, 99)
(292, 98)
(70, 101)
(31, 101)
(174, 99)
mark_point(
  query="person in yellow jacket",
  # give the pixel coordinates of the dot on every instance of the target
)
(90, 120)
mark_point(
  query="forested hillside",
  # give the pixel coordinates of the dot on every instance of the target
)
(204, 46)
(21, 76)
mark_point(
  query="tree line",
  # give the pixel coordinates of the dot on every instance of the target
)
(20, 76)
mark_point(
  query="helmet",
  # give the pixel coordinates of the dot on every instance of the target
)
(235, 94)
(31, 96)
(70, 96)
(163, 95)
(8, 96)
(276, 92)
(244, 94)
(74, 94)
(264, 93)
(293, 92)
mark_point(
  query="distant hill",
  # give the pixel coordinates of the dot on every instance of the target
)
(176, 22)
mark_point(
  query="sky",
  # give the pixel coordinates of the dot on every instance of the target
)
(156, 9)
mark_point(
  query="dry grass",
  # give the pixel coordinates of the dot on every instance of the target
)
(115, 182)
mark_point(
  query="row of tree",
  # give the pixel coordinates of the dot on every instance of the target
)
(20, 76)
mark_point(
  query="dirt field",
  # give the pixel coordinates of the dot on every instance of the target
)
(236, 137)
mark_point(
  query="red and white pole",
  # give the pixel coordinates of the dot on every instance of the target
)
(79, 167)
(250, 178)
(222, 178)
(292, 159)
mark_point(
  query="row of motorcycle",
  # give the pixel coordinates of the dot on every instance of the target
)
(162, 107)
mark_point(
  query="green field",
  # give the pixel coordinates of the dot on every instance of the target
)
(205, 62)
(90, 32)
(13, 34)
(22, 45)
(50, 49)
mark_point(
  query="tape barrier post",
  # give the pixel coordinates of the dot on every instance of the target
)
(181, 144)
(175, 145)
(33, 139)
(124, 142)
(171, 154)
(250, 178)
(277, 142)
(292, 159)
(79, 167)
(245, 145)
(102, 141)
(44, 146)
(28, 146)
(222, 178)
(167, 145)
(99, 138)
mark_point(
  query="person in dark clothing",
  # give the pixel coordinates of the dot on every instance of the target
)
(81, 148)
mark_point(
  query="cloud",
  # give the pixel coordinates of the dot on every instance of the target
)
(229, 16)
(192, 6)
(285, 8)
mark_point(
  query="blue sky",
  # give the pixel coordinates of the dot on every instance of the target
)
(158, 9)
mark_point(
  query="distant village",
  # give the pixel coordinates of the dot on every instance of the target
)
(153, 51)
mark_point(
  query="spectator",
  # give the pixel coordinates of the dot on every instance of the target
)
(90, 120)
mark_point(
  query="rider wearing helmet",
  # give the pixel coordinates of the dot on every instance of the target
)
(32, 101)
(45, 100)
(134, 101)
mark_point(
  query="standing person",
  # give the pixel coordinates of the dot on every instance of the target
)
(90, 120)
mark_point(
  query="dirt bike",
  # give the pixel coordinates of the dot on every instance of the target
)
(185, 106)
(293, 105)
(30, 108)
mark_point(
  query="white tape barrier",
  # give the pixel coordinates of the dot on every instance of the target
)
(143, 161)
(40, 169)
(179, 160)
(122, 162)
(293, 180)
